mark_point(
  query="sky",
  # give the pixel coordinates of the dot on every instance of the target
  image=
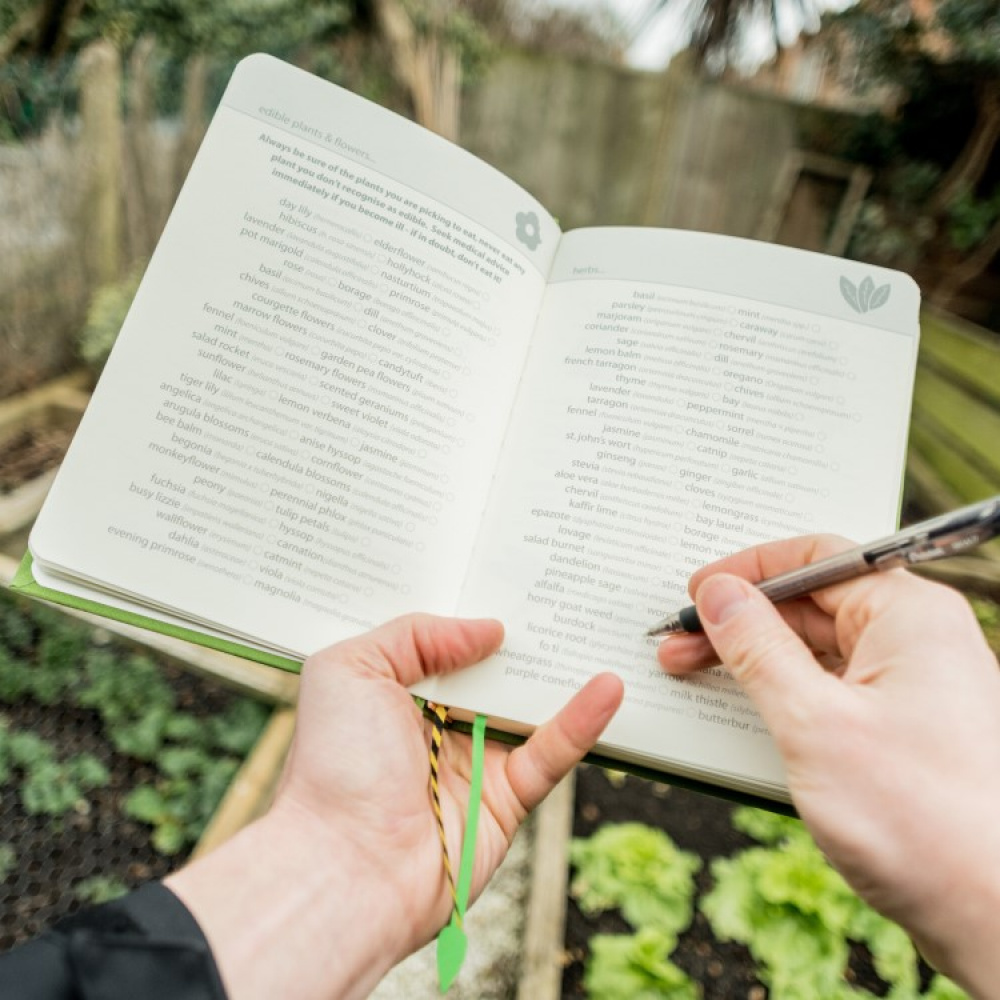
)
(665, 35)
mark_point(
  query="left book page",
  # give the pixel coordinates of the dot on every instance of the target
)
(296, 432)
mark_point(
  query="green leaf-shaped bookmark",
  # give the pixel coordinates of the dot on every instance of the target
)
(452, 941)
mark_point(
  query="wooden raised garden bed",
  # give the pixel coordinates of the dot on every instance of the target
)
(35, 431)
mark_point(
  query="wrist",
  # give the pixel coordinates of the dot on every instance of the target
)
(961, 935)
(289, 907)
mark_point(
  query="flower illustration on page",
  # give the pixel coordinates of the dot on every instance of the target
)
(529, 231)
(864, 297)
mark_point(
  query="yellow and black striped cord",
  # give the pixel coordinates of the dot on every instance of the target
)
(439, 717)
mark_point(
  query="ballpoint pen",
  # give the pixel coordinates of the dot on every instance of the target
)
(946, 535)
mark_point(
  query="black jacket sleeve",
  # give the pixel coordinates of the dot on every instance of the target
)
(146, 945)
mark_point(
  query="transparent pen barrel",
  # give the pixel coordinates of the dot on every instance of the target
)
(816, 576)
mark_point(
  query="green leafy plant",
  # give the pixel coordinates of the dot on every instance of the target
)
(641, 872)
(107, 312)
(195, 772)
(635, 967)
(196, 759)
(8, 860)
(798, 917)
(17, 633)
(53, 670)
(988, 615)
(99, 889)
(638, 870)
(970, 219)
(15, 678)
(179, 805)
(47, 659)
(239, 727)
(134, 701)
(48, 786)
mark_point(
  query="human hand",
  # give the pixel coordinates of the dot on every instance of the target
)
(362, 743)
(346, 867)
(884, 700)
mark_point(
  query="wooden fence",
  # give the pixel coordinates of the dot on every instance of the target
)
(84, 201)
(596, 144)
(604, 145)
(954, 452)
(955, 431)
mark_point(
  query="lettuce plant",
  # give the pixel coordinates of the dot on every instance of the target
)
(638, 870)
(636, 967)
(798, 917)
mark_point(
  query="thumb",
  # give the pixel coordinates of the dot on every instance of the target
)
(769, 661)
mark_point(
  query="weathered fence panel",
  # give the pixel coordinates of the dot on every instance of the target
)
(572, 133)
(603, 145)
(955, 431)
(597, 144)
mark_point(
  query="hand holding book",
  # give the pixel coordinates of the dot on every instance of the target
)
(342, 878)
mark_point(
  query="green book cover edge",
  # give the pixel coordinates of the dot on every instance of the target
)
(24, 582)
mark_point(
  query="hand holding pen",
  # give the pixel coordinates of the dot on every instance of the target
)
(946, 535)
(882, 697)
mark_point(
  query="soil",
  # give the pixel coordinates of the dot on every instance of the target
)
(53, 856)
(697, 823)
(31, 452)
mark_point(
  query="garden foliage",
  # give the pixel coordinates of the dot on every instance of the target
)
(797, 917)
(48, 786)
(47, 659)
(639, 871)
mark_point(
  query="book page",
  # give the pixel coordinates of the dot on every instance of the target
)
(686, 396)
(296, 432)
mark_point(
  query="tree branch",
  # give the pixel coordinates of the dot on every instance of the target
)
(969, 267)
(972, 162)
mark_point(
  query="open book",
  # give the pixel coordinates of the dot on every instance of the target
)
(366, 374)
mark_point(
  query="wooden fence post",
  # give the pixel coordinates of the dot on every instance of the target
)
(141, 190)
(426, 64)
(101, 146)
(194, 124)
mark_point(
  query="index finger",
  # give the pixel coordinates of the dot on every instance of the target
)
(771, 558)
(415, 646)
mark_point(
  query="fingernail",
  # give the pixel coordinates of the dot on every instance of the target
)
(721, 598)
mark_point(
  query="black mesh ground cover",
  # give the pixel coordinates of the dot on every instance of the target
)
(50, 866)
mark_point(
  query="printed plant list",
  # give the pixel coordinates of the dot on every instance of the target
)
(321, 410)
(660, 425)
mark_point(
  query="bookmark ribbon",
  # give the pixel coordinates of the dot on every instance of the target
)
(452, 940)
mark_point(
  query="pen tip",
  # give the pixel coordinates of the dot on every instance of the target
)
(667, 627)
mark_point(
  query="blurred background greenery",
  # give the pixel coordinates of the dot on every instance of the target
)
(870, 131)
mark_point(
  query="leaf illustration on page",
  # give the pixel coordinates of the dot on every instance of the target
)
(879, 297)
(865, 294)
(850, 293)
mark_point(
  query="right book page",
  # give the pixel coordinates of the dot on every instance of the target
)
(685, 396)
